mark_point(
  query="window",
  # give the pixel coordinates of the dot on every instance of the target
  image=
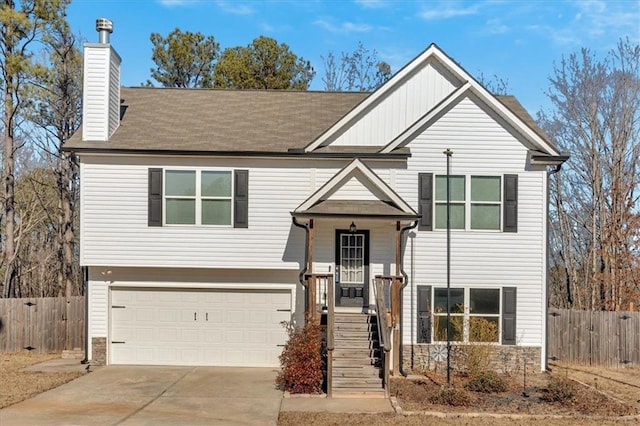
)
(475, 315)
(476, 202)
(198, 197)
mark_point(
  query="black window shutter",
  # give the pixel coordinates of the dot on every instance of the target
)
(510, 203)
(509, 316)
(241, 199)
(424, 314)
(155, 197)
(425, 201)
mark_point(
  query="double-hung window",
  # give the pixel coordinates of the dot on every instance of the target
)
(198, 197)
(474, 313)
(475, 202)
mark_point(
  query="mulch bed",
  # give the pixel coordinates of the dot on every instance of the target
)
(418, 395)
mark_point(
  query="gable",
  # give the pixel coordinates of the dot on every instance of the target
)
(416, 97)
(355, 190)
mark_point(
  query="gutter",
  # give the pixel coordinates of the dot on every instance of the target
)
(85, 285)
(265, 154)
(405, 280)
(303, 271)
(555, 170)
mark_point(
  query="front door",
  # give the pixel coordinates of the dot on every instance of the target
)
(352, 268)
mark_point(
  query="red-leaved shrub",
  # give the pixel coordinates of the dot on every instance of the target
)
(301, 361)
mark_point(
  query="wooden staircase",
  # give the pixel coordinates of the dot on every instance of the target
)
(356, 357)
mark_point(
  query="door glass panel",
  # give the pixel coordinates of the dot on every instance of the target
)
(352, 259)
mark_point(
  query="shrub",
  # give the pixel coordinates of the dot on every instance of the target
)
(486, 382)
(560, 390)
(452, 396)
(301, 360)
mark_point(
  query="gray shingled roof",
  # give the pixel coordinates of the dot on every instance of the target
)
(218, 120)
(515, 107)
(222, 120)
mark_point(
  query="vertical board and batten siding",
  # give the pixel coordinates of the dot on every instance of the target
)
(39, 323)
(480, 146)
(95, 112)
(400, 109)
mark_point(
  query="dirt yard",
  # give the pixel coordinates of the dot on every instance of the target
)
(18, 385)
(613, 400)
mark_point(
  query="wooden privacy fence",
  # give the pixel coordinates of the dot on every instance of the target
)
(38, 324)
(608, 339)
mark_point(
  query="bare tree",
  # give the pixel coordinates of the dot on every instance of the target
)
(360, 70)
(596, 227)
(23, 23)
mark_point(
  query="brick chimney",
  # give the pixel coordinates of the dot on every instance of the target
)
(101, 86)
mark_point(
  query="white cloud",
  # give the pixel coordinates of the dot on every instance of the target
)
(343, 28)
(235, 8)
(446, 11)
(174, 3)
(371, 4)
(496, 26)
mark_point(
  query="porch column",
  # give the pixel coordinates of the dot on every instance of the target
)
(310, 314)
(396, 287)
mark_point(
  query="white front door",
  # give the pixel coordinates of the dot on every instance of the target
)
(198, 327)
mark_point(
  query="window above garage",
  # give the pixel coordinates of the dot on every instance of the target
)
(208, 197)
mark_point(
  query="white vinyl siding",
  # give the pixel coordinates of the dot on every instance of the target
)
(481, 146)
(101, 109)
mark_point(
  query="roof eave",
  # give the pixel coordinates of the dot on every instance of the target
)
(305, 214)
(547, 160)
(293, 154)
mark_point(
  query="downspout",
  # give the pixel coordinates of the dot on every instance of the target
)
(405, 281)
(555, 170)
(303, 271)
(85, 286)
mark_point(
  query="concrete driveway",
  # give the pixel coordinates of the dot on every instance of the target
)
(126, 395)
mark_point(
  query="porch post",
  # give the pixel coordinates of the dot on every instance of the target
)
(396, 287)
(310, 314)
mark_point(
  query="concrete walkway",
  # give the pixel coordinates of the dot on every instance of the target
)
(155, 395)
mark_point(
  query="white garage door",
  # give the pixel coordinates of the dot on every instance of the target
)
(198, 327)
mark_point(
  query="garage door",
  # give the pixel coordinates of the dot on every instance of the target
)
(198, 327)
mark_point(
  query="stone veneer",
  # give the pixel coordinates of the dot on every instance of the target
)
(98, 350)
(504, 359)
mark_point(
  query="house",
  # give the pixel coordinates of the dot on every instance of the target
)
(208, 217)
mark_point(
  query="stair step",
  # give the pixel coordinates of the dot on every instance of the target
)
(355, 318)
(372, 382)
(355, 344)
(360, 393)
(353, 373)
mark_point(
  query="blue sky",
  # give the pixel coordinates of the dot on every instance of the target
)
(518, 41)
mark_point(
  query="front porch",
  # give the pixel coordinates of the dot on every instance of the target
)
(362, 348)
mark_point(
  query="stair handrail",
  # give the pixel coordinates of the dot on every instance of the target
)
(330, 332)
(384, 331)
